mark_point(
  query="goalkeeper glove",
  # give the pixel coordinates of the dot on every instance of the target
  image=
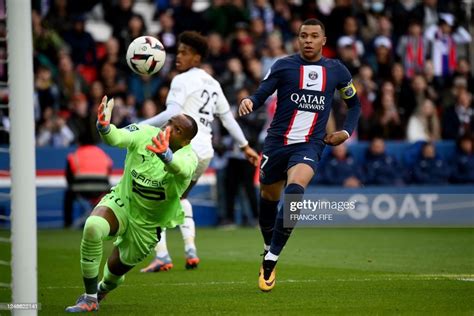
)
(161, 146)
(104, 113)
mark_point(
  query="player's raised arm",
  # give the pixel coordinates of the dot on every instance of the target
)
(110, 134)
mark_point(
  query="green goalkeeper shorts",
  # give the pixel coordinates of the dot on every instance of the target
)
(134, 242)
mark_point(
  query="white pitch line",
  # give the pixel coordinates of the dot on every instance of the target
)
(419, 277)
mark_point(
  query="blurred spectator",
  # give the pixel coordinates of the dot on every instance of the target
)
(412, 50)
(217, 56)
(87, 175)
(402, 12)
(54, 132)
(46, 41)
(81, 43)
(383, 58)
(70, 81)
(427, 13)
(273, 51)
(415, 97)
(96, 94)
(188, 20)
(117, 14)
(143, 87)
(59, 17)
(258, 33)
(463, 70)
(450, 95)
(122, 114)
(401, 86)
(148, 110)
(82, 122)
(348, 53)
(387, 122)
(222, 16)
(112, 55)
(424, 124)
(430, 169)
(464, 171)
(444, 39)
(334, 23)
(351, 30)
(367, 111)
(234, 79)
(114, 83)
(46, 89)
(135, 28)
(459, 118)
(262, 9)
(381, 168)
(282, 18)
(341, 169)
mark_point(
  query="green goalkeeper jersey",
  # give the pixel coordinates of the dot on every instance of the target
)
(150, 193)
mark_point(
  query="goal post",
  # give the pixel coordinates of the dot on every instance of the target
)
(22, 155)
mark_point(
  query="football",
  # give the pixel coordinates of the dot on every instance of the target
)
(146, 55)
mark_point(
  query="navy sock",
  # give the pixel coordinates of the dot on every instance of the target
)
(293, 192)
(266, 218)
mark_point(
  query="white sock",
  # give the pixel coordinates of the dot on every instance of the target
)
(92, 295)
(266, 247)
(271, 256)
(161, 248)
(188, 229)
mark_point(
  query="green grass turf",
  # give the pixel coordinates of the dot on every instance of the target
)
(322, 271)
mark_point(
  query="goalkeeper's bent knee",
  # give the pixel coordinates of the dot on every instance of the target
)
(96, 228)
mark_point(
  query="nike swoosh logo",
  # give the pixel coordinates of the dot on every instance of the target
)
(88, 260)
(306, 158)
(311, 85)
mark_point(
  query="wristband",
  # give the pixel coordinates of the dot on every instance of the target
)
(166, 157)
(103, 129)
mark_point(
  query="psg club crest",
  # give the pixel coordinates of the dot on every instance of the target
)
(313, 75)
(349, 92)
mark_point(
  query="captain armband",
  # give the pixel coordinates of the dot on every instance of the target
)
(348, 91)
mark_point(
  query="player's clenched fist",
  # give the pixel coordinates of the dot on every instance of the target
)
(246, 106)
(160, 143)
(104, 113)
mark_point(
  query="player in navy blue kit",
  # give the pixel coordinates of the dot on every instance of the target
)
(305, 85)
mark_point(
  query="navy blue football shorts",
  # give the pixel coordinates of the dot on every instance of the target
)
(277, 159)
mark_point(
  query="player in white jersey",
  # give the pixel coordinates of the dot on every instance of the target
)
(194, 92)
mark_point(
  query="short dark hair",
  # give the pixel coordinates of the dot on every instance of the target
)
(196, 41)
(313, 22)
(194, 126)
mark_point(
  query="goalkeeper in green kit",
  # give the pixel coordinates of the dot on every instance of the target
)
(158, 168)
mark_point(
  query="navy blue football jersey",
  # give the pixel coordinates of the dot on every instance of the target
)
(305, 92)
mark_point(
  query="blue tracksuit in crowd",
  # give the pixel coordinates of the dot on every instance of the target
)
(382, 169)
(431, 171)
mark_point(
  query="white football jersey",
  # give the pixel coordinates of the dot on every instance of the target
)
(201, 97)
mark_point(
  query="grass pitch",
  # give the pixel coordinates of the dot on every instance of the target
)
(362, 271)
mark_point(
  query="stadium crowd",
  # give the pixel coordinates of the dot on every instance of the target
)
(409, 60)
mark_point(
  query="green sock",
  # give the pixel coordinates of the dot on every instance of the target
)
(110, 281)
(95, 231)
